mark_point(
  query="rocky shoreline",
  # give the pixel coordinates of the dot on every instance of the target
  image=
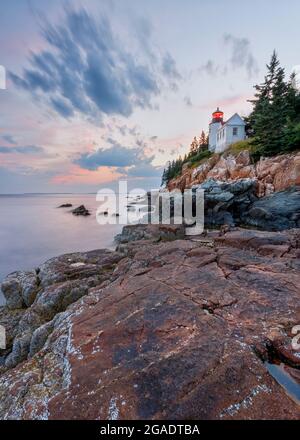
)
(272, 174)
(165, 327)
(263, 195)
(235, 203)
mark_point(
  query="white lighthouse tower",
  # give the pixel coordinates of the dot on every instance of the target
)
(214, 126)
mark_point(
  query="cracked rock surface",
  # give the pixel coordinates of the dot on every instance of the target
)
(163, 330)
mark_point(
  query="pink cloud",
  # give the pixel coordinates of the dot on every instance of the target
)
(79, 175)
(226, 102)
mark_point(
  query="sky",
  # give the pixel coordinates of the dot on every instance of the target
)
(99, 91)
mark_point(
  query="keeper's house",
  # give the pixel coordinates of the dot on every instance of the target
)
(222, 134)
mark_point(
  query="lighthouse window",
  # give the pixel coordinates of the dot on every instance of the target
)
(234, 131)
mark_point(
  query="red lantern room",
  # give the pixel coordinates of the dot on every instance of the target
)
(217, 116)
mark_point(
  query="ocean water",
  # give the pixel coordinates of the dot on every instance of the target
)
(33, 229)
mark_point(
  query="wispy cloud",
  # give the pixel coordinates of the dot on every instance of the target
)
(87, 69)
(224, 102)
(9, 139)
(210, 68)
(241, 55)
(127, 160)
(170, 70)
(115, 156)
(188, 101)
(28, 149)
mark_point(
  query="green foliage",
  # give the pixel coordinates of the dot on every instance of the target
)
(239, 146)
(173, 170)
(276, 111)
(205, 154)
(198, 152)
(292, 136)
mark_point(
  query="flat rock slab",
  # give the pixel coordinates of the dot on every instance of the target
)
(172, 334)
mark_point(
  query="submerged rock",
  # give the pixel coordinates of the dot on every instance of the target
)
(171, 331)
(66, 205)
(81, 210)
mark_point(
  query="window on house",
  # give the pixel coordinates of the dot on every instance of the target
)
(234, 131)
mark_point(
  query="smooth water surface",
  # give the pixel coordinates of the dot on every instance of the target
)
(33, 229)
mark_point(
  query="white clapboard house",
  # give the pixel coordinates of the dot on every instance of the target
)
(222, 134)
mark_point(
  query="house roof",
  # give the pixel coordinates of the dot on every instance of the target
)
(235, 120)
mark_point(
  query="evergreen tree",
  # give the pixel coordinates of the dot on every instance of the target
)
(280, 111)
(293, 97)
(168, 172)
(164, 177)
(273, 105)
(194, 146)
(203, 144)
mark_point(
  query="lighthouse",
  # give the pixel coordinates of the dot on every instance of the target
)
(214, 126)
(224, 133)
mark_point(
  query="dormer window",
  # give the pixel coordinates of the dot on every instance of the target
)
(234, 131)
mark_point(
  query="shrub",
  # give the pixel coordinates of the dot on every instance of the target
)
(239, 146)
(205, 154)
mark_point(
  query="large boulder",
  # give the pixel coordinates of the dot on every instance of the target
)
(20, 289)
(150, 232)
(226, 201)
(57, 284)
(236, 203)
(278, 173)
(276, 212)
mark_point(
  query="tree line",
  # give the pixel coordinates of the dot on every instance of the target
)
(198, 151)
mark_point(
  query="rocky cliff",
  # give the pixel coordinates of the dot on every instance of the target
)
(271, 174)
(180, 329)
(237, 192)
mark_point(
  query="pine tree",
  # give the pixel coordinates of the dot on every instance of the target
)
(271, 110)
(293, 97)
(168, 172)
(281, 110)
(164, 177)
(194, 146)
(203, 141)
(292, 129)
